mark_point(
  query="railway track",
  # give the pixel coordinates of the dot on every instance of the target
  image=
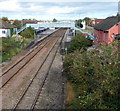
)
(20, 59)
(20, 63)
(53, 43)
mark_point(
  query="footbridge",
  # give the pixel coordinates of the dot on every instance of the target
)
(53, 25)
(48, 25)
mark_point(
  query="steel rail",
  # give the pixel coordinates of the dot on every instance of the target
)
(15, 107)
(2, 85)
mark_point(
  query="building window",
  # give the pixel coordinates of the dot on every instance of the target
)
(105, 31)
(3, 32)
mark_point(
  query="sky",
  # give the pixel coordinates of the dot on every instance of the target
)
(61, 10)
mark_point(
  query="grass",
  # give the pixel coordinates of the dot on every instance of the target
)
(70, 94)
(6, 57)
(89, 30)
(85, 30)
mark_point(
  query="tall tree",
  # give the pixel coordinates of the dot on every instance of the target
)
(54, 20)
(87, 20)
(5, 19)
(79, 23)
(17, 23)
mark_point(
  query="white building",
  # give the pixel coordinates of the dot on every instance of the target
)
(84, 24)
(7, 29)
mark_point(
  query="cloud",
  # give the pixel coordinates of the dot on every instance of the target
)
(15, 9)
(68, 1)
(9, 5)
(61, 10)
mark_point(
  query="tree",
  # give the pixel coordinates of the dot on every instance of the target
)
(28, 33)
(54, 20)
(79, 42)
(79, 23)
(17, 23)
(5, 19)
(87, 20)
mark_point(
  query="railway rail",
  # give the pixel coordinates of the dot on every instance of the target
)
(20, 63)
(50, 45)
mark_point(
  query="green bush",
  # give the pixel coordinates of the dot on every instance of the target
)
(10, 47)
(13, 45)
(79, 42)
(95, 77)
(28, 33)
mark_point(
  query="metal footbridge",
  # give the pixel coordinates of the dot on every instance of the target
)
(49, 25)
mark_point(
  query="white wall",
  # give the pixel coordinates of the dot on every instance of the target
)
(6, 34)
(83, 23)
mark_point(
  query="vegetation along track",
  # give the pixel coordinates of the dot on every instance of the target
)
(47, 62)
(20, 63)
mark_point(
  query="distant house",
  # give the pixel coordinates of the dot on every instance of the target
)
(97, 21)
(94, 22)
(106, 30)
(11, 21)
(29, 21)
(7, 29)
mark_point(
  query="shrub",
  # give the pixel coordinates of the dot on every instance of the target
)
(13, 45)
(10, 47)
(95, 77)
(28, 33)
(79, 42)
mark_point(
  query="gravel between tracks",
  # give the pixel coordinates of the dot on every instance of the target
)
(13, 90)
(52, 95)
(38, 81)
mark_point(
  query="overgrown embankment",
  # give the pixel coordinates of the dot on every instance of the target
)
(93, 75)
(13, 45)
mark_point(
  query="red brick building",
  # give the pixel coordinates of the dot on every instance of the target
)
(105, 31)
(94, 22)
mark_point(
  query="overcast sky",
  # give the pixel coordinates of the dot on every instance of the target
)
(24, 9)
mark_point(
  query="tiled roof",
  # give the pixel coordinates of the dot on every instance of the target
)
(98, 20)
(5, 25)
(107, 23)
